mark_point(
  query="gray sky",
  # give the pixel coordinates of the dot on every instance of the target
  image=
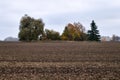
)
(56, 14)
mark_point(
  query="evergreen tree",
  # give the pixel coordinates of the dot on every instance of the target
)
(93, 34)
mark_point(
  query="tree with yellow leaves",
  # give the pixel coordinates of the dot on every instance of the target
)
(74, 32)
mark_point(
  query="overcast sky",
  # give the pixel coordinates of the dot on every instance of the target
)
(56, 14)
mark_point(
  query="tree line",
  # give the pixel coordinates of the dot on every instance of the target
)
(33, 29)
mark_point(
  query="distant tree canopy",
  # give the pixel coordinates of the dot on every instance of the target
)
(93, 34)
(30, 28)
(115, 38)
(74, 31)
(52, 35)
(33, 29)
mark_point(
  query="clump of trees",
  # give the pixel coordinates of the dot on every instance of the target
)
(33, 29)
(115, 38)
(51, 35)
(30, 28)
(75, 32)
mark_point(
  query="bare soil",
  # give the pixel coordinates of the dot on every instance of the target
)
(55, 60)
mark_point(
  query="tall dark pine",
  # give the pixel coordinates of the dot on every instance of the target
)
(93, 34)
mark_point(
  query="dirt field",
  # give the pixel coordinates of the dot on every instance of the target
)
(60, 61)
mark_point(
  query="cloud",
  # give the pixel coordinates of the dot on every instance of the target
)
(57, 13)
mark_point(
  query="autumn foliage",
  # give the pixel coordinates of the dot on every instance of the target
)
(33, 29)
(74, 32)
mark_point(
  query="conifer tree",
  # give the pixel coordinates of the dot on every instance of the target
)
(93, 34)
